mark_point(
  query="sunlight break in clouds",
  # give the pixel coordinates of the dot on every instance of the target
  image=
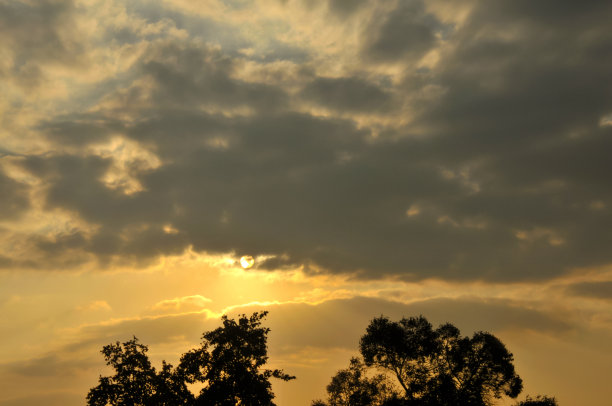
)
(247, 261)
(393, 157)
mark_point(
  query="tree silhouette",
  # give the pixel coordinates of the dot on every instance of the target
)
(538, 401)
(439, 367)
(135, 381)
(352, 387)
(228, 365)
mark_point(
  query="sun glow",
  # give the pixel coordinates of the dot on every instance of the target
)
(247, 261)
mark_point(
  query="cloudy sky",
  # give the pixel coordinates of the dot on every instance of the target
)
(401, 157)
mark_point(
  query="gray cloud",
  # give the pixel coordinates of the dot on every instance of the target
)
(14, 200)
(504, 166)
(48, 365)
(79, 129)
(35, 33)
(522, 113)
(407, 31)
(199, 76)
(348, 94)
(344, 8)
(596, 290)
(202, 28)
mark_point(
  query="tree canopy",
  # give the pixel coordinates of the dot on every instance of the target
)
(430, 366)
(439, 366)
(228, 365)
(135, 381)
(353, 387)
(402, 363)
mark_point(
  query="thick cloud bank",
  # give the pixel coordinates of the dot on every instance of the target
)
(469, 143)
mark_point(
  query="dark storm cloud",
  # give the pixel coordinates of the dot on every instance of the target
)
(406, 31)
(502, 175)
(35, 27)
(126, 226)
(79, 129)
(348, 94)
(522, 113)
(194, 75)
(13, 198)
(595, 290)
(282, 51)
(37, 32)
(344, 8)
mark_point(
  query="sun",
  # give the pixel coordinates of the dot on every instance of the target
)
(247, 261)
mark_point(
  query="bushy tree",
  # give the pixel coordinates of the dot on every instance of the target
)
(228, 364)
(353, 387)
(135, 381)
(439, 367)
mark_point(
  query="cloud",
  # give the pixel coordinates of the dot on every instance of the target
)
(199, 76)
(593, 290)
(95, 305)
(349, 93)
(48, 365)
(36, 34)
(344, 8)
(293, 325)
(340, 323)
(497, 141)
(181, 304)
(405, 31)
(15, 200)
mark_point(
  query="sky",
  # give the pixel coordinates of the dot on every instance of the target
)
(396, 157)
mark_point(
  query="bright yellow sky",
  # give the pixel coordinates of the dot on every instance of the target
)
(58, 321)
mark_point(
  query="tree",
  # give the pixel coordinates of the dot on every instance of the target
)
(135, 381)
(439, 367)
(171, 388)
(538, 401)
(352, 387)
(228, 364)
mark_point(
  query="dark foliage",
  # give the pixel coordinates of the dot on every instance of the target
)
(539, 401)
(228, 364)
(135, 381)
(439, 367)
(352, 387)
